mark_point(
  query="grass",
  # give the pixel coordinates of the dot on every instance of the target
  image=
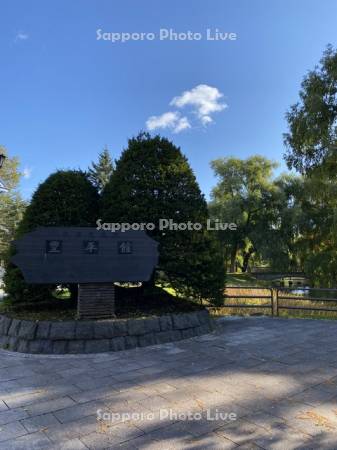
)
(53, 309)
(130, 302)
(283, 301)
(244, 279)
(245, 311)
(133, 302)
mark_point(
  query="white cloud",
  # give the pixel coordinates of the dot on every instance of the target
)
(166, 120)
(171, 120)
(182, 124)
(205, 100)
(27, 173)
(21, 36)
(206, 119)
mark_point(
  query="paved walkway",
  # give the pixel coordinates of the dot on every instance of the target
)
(277, 379)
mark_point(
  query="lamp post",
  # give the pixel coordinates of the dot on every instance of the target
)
(2, 160)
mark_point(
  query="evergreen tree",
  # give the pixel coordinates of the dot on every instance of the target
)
(65, 198)
(100, 173)
(154, 181)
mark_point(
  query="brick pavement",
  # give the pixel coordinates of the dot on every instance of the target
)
(276, 377)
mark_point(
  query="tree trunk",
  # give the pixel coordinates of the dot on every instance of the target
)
(233, 257)
(246, 257)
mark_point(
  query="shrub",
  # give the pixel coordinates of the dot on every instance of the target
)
(65, 198)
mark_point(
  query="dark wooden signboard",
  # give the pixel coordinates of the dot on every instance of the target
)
(85, 255)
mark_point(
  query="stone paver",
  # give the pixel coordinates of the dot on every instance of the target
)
(253, 383)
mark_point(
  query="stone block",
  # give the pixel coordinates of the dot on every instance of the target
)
(163, 337)
(147, 339)
(183, 321)
(136, 327)
(76, 346)
(43, 346)
(60, 347)
(188, 333)
(203, 316)
(97, 346)
(152, 325)
(34, 346)
(27, 329)
(62, 330)
(84, 330)
(4, 342)
(13, 343)
(43, 328)
(14, 327)
(23, 346)
(165, 323)
(120, 327)
(39, 423)
(176, 335)
(103, 329)
(47, 346)
(203, 329)
(118, 343)
(131, 342)
(5, 323)
(193, 319)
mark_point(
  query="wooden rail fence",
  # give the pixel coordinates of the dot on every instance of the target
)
(273, 300)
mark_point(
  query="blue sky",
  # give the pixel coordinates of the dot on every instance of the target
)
(65, 94)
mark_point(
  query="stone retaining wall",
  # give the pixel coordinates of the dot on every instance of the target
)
(99, 336)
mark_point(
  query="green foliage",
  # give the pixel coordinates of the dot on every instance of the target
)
(65, 198)
(11, 203)
(317, 245)
(312, 136)
(281, 247)
(154, 181)
(312, 150)
(100, 173)
(245, 195)
(10, 174)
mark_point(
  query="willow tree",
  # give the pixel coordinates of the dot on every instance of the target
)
(311, 143)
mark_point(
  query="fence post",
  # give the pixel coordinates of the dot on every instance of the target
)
(274, 301)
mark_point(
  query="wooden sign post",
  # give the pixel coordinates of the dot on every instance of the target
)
(93, 259)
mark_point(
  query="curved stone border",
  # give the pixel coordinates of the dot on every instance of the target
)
(50, 337)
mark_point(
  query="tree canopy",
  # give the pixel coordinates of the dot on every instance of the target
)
(65, 198)
(312, 137)
(246, 195)
(154, 181)
(11, 203)
(100, 173)
(312, 150)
